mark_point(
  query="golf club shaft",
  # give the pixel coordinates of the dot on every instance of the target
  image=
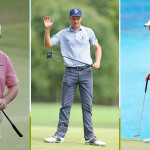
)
(141, 113)
(143, 103)
(71, 59)
(14, 127)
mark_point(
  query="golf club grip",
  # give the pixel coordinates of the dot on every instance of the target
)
(17, 131)
(146, 84)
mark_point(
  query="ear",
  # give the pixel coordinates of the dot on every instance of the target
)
(81, 18)
(69, 18)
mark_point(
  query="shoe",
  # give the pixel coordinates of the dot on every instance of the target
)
(54, 139)
(146, 141)
(95, 141)
(147, 24)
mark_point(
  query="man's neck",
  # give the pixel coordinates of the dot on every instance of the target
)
(75, 29)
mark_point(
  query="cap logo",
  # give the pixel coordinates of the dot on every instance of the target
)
(75, 11)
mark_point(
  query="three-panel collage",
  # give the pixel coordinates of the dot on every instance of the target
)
(74, 75)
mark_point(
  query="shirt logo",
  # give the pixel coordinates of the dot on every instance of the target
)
(75, 11)
(67, 39)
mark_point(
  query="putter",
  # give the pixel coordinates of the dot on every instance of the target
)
(142, 107)
(14, 127)
(50, 55)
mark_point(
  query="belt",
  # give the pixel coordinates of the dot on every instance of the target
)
(80, 67)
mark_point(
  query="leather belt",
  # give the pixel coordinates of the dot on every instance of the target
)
(80, 67)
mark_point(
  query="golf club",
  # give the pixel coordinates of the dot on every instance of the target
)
(14, 127)
(142, 107)
(50, 55)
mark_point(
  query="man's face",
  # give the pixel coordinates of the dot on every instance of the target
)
(75, 21)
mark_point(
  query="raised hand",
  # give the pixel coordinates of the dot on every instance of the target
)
(47, 22)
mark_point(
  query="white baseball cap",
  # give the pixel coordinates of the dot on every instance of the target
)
(147, 24)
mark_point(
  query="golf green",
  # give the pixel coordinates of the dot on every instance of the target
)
(127, 144)
(74, 139)
(45, 119)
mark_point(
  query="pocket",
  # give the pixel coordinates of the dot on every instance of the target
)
(1, 67)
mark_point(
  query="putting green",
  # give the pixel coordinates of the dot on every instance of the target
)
(45, 119)
(127, 144)
(74, 139)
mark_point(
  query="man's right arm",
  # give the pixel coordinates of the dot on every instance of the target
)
(47, 23)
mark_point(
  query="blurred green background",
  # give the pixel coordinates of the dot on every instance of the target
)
(14, 19)
(46, 77)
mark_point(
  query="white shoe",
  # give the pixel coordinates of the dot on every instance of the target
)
(95, 141)
(146, 140)
(54, 139)
(147, 24)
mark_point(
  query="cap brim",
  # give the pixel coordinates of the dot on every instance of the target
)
(75, 16)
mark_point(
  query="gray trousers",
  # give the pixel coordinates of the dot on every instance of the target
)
(73, 77)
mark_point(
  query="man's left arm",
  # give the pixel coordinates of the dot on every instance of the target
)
(10, 95)
(98, 55)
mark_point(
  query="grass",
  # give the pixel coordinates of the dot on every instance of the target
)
(127, 144)
(74, 139)
(45, 119)
(103, 116)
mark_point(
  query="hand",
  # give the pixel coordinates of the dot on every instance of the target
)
(47, 22)
(3, 104)
(147, 76)
(96, 65)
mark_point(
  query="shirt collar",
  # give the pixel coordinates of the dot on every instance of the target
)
(81, 27)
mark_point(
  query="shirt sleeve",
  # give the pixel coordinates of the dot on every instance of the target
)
(11, 78)
(55, 39)
(92, 38)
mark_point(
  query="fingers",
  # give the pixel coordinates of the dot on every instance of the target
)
(52, 20)
(96, 66)
(147, 76)
(2, 104)
(47, 18)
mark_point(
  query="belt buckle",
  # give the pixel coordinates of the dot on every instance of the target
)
(79, 68)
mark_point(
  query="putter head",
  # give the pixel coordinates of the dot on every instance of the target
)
(136, 135)
(49, 55)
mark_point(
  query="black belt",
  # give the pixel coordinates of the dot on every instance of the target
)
(80, 67)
